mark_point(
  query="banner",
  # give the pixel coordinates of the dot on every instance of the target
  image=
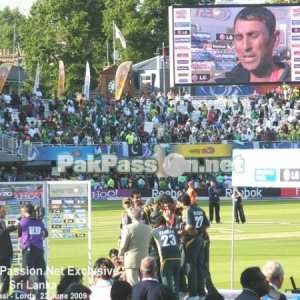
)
(120, 36)
(122, 77)
(37, 79)
(290, 193)
(4, 70)
(202, 150)
(266, 168)
(266, 145)
(248, 193)
(87, 82)
(61, 80)
(13, 196)
(113, 194)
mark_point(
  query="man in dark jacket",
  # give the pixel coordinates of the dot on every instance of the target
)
(150, 288)
(6, 252)
(254, 283)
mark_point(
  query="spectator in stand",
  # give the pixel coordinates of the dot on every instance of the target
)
(220, 181)
(193, 138)
(141, 183)
(110, 184)
(7, 117)
(7, 99)
(181, 182)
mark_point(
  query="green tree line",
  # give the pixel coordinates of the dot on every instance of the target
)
(77, 31)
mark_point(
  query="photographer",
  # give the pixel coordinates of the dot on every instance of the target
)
(32, 232)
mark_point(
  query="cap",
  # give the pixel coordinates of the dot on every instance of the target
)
(126, 201)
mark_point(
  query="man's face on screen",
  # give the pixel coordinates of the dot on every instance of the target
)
(253, 45)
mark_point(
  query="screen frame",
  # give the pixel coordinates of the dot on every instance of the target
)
(174, 81)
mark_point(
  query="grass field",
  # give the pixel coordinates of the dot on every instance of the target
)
(272, 232)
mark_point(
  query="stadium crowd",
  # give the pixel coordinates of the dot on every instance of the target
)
(271, 117)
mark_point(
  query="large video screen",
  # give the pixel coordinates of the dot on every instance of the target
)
(234, 45)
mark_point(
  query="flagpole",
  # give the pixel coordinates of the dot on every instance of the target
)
(107, 58)
(37, 78)
(164, 68)
(114, 43)
(14, 42)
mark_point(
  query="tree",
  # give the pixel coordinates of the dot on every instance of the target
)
(70, 31)
(9, 24)
(144, 25)
(77, 31)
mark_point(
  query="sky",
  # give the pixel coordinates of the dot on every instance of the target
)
(23, 5)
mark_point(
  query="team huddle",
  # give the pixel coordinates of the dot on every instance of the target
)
(175, 234)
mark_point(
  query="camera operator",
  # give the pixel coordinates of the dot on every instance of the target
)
(32, 232)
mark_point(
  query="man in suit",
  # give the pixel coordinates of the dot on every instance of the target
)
(254, 283)
(134, 245)
(274, 273)
(150, 288)
(6, 252)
